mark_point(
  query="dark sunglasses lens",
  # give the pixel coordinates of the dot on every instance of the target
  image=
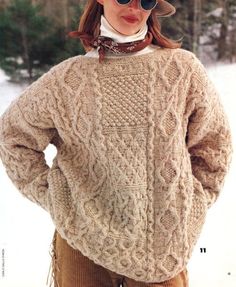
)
(148, 4)
(123, 1)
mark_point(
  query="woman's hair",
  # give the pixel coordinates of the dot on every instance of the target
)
(90, 24)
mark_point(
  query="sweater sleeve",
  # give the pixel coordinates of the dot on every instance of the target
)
(26, 129)
(208, 137)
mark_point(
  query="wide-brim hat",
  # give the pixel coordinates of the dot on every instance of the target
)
(164, 9)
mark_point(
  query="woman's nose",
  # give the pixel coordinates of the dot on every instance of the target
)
(134, 4)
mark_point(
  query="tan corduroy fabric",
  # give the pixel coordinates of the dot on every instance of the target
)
(72, 268)
(143, 147)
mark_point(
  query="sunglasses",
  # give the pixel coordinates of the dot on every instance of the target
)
(144, 4)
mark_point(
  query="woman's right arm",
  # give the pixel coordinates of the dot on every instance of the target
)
(26, 129)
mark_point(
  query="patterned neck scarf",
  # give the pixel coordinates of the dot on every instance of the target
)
(108, 44)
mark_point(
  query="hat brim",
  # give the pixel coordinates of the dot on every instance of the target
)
(164, 9)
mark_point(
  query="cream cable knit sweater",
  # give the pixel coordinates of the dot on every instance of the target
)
(143, 147)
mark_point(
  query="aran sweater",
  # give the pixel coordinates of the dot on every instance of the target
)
(143, 147)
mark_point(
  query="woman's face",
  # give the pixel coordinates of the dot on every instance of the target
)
(127, 19)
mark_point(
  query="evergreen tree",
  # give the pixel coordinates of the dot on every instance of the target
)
(31, 41)
(232, 31)
(66, 46)
(219, 21)
(186, 23)
(22, 31)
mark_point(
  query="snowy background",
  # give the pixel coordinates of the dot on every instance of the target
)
(26, 230)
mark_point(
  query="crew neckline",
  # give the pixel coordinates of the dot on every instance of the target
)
(129, 58)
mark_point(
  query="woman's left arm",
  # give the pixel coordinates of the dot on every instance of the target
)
(208, 136)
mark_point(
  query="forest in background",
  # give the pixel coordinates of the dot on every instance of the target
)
(33, 33)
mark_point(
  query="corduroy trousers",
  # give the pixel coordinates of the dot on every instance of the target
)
(70, 268)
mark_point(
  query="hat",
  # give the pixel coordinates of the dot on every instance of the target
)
(164, 9)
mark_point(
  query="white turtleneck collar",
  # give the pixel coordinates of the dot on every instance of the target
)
(107, 30)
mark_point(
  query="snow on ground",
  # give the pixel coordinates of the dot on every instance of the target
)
(26, 230)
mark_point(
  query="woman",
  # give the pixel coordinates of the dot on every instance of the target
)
(143, 147)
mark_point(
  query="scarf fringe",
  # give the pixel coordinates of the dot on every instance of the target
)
(53, 268)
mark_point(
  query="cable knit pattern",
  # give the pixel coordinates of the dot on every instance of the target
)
(143, 147)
